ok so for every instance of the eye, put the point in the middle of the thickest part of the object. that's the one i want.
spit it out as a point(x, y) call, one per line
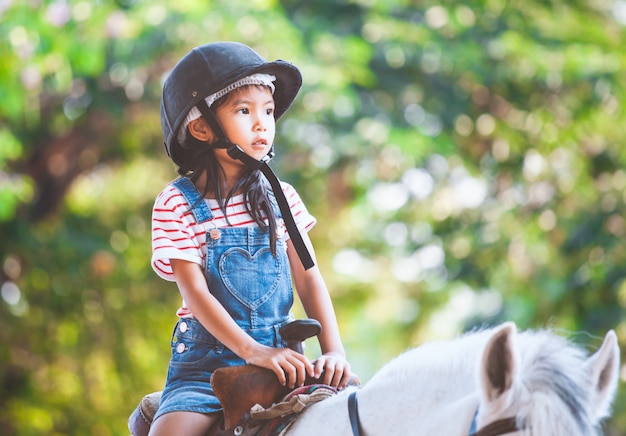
point(243, 110)
point(269, 111)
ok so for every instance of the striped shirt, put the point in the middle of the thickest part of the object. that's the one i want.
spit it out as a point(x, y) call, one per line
point(177, 235)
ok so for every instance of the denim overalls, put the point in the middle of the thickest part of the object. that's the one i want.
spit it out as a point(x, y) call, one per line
point(252, 284)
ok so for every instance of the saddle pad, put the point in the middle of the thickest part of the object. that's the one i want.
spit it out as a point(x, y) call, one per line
point(283, 414)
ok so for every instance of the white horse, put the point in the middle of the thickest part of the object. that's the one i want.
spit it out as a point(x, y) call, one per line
point(547, 385)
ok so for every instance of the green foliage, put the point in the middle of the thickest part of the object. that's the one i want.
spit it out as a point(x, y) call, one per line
point(464, 162)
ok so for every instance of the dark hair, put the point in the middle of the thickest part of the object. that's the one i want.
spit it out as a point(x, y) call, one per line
point(252, 182)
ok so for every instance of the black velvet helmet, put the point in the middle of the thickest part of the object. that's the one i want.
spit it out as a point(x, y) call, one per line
point(210, 68)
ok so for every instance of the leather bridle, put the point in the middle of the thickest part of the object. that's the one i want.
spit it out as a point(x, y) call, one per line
point(353, 413)
point(499, 427)
point(496, 428)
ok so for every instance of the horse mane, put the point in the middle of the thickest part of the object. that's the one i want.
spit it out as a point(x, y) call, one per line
point(554, 382)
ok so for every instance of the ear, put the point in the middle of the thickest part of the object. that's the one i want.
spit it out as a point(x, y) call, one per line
point(603, 367)
point(200, 130)
point(500, 363)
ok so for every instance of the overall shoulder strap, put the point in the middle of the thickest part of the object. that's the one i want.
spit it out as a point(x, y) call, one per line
point(199, 207)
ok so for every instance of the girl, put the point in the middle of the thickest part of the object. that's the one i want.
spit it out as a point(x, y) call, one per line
point(219, 232)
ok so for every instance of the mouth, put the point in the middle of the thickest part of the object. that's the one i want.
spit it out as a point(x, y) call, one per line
point(259, 143)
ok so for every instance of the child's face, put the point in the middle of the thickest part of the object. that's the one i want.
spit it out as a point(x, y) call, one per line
point(247, 117)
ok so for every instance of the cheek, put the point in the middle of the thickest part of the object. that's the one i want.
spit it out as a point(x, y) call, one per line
point(271, 125)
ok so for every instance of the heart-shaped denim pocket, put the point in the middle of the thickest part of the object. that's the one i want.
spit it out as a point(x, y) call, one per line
point(251, 279)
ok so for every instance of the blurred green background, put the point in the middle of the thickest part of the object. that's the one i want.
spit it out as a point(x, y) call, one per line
point(465, 161)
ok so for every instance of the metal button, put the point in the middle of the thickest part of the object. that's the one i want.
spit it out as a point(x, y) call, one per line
point(180, 348)
point(183, 327)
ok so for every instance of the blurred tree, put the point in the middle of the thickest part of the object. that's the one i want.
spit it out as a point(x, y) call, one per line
point(464, 162)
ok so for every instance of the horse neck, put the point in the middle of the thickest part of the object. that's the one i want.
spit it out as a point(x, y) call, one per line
point(407, 393)
point(432, 385)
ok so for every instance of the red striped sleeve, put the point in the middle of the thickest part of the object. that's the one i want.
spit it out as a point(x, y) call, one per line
point(175, 233)
point(304, 220)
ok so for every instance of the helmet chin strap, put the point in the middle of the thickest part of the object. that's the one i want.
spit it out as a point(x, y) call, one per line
point(236, 152)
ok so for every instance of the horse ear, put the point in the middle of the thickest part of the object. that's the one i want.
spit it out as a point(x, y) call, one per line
point(500, 362)
point(603, 367)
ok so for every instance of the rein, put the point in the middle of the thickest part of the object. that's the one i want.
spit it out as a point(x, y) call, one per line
point(496, 428)
point(499, 427)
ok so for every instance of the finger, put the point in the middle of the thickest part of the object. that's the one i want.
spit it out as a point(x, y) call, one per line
point(338, 377)
point(345, 378)
point(337, 374)
point(329, 373)
point(300, 371)
point(290, 372)
point(319, 368)
point(280, 374)
point(308, 366)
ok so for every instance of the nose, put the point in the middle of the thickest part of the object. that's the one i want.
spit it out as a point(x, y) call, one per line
point(260, 124)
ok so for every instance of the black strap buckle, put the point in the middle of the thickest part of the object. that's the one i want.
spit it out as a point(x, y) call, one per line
point(235, 151)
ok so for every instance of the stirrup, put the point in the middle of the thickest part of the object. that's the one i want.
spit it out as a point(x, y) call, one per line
point(140, 420)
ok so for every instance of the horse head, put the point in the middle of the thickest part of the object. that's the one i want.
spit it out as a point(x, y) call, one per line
point(549, 386)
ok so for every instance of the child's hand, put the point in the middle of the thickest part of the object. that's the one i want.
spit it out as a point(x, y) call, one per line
point(290, 367)
point(336, 370)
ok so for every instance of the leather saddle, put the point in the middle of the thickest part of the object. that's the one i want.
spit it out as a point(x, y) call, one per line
point(238, 388)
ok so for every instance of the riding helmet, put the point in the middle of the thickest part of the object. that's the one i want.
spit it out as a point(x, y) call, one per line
point(210, 68)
